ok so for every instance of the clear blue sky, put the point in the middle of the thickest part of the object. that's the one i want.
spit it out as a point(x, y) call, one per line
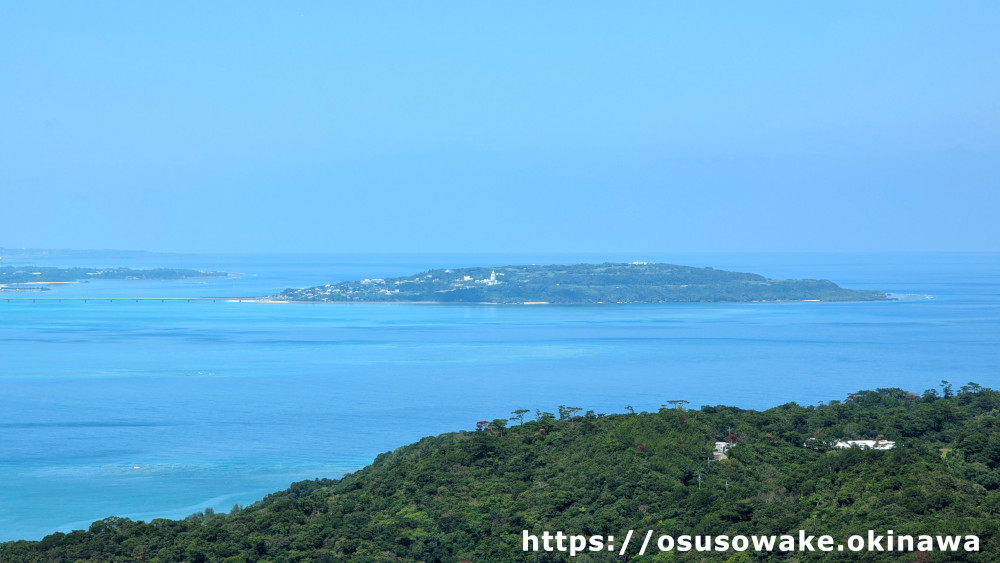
point(500, 126)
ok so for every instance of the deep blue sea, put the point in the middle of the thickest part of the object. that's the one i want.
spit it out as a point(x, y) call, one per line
point(149, 409)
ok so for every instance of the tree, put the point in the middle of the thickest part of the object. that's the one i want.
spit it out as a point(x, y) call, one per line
point(972, 387)
point(519, 415)
point(567, 412)
point(678, 403)
point(498, 425)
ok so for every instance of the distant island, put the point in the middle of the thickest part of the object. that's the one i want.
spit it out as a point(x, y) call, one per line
point(579, 284)
point(35, 278)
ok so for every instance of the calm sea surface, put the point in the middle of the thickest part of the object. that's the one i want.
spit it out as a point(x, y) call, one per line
point(149, 409)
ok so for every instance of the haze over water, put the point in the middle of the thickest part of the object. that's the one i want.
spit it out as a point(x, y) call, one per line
point(149, 409)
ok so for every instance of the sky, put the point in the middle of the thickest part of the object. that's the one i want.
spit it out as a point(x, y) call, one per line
point(500, 126)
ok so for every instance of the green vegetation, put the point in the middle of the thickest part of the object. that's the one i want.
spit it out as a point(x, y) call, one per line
point(581, 284)
point(468, 495)
point(30, 278)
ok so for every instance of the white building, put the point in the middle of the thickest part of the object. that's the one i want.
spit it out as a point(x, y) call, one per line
point(492, 280)
point(720, 450)
point(865, 444)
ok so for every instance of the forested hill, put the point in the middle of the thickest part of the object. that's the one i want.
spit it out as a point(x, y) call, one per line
point(470, 495)
point(636, 282)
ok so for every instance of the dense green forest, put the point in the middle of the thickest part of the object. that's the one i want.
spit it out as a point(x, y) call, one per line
point(637, 282)
point(469, 495)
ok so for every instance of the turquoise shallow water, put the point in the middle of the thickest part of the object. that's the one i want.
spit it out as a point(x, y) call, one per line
point(155, 409)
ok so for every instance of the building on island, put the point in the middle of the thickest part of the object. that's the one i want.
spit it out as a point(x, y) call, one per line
point(492, 280)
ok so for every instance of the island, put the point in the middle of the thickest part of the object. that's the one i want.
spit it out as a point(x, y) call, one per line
point(36, 278)
point(634, 282)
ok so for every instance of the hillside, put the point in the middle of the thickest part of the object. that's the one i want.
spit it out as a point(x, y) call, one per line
point(469, 495)
point(637, 282)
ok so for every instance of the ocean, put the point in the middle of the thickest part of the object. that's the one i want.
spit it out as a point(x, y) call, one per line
point(150, 409)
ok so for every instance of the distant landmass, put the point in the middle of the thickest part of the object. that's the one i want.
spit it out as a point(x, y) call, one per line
point(34, 278)
point(635, 282)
